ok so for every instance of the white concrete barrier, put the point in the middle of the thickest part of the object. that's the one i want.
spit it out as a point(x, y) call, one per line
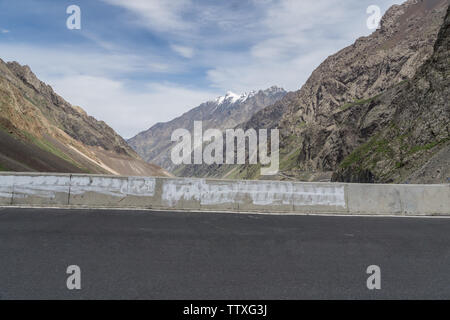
point(64, 190)
point(38, 189)
point(6, 189)
point(399, 199)
point(111, 191)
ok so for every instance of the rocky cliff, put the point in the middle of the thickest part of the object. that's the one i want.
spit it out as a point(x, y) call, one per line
point(40, 131)
point(226, 112)
point(405, 131)
point(325, 122)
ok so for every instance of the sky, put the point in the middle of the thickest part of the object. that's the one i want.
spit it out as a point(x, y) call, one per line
point(134, 63)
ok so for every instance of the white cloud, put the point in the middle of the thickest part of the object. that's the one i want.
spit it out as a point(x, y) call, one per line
point(257, 75)
point(124, 109)
point(93, 81)
point(185, 52)
point(248, 44)
point(204, 22)
point(74, 61)
point(298, 36)
point(4, 31)
point(156, 14)
point(242, 45)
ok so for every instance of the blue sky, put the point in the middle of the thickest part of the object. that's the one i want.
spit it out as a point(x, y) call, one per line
point(138, 62)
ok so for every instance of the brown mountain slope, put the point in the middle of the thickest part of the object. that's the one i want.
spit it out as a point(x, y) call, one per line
point(310, 137)
point(42, 132)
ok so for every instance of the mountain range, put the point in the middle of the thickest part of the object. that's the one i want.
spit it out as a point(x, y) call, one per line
point(376, 111)
point(155, 144)
point(40, 131)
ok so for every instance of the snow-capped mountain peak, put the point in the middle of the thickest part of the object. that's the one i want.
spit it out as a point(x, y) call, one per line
point(231, 97)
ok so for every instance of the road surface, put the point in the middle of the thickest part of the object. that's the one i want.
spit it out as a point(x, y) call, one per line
point(170, 255)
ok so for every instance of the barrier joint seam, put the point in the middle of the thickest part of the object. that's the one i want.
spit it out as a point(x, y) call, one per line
point(13, 189)
point(70, 186)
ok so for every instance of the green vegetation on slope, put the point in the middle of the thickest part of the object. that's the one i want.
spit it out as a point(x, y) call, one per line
point(47, 146)
point(428, 146)
point(43, 145)
point(374, 145)
point(357, 103)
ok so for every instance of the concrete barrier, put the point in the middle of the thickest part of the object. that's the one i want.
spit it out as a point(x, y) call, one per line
point(38, 189)
point(110, 191)
point(399, 199)
point(317, 198)
point(77, 190)
point(6, 189)
point(181, 193)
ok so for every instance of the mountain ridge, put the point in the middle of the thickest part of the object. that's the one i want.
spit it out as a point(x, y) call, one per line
point(413, 143)
point(224, 112)
point(34, 117)
point(353, 76)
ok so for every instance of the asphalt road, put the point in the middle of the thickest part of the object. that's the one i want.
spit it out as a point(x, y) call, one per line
point(167, 255)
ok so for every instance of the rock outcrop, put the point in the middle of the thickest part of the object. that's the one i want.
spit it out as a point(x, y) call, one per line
point(406, 129)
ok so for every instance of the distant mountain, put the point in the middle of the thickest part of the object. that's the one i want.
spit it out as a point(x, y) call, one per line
point(338, 121)
point(40, 131)
point(225, 112)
